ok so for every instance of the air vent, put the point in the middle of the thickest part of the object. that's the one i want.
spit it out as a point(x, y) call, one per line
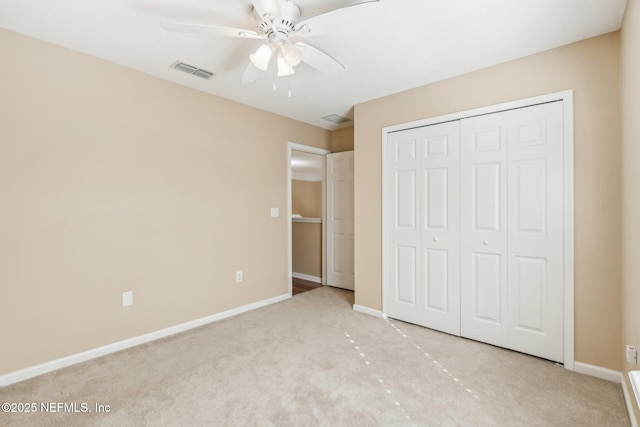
point(190, 69)
point(337, 119)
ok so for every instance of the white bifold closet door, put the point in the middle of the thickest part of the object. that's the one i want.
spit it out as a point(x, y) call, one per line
point(424, 226)
point(511, 244)
point(475, 228)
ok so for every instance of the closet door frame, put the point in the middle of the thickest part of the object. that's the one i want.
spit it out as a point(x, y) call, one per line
point(567, 98)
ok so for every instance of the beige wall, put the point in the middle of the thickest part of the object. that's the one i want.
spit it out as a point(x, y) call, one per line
point(111, 181)
point(306, 247)
point(306, 198)
point(591, 69)
point(306, 238)
point(630, 72)
point(342, 140)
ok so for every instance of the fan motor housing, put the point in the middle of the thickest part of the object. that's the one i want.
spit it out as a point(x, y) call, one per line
point(289, 17)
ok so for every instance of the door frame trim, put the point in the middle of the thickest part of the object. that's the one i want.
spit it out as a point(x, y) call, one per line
point(567, 98)
point(313, 150)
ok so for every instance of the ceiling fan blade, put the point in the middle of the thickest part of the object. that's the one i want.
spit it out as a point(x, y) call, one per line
point(251, 73)
point(329, 6)
point(319, 60)
point(267, 7)
point(211, 30)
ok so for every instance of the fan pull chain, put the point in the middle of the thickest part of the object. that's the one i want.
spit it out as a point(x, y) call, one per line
point(289, 90)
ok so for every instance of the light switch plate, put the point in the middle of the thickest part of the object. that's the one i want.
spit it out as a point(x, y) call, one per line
point(275, 212)
point(127, 298)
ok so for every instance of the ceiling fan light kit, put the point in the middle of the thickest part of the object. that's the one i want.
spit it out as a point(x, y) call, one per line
point(284, 69)
point(276, 21)
point(291, 54)
point(262, 57)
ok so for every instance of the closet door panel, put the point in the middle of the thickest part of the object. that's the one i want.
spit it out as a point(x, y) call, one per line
point(536, 231)
point(440, 227)
point(437, 192)
point(487, 196)
point(486, 288)
point(423, 166)
point(406, 274)
point(483, 229)
point(403, 222)
point(436, 280)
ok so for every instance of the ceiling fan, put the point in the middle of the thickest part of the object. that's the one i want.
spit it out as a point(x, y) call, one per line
point(277, 21)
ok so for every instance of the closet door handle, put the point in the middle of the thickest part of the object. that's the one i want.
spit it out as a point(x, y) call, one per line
point(485, 242)
point(436, 239)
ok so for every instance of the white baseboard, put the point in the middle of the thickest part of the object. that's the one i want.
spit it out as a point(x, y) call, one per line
point(307, 277)
point(367, 310)
point(629, 400)
point(598, 372)
point(33, 371)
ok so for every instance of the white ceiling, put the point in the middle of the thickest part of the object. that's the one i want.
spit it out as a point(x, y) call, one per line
point(386, 46)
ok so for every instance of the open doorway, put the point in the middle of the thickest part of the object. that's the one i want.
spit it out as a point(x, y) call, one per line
point(306, 206)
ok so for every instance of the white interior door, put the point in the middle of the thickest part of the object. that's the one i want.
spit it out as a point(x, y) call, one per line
point(340, 215)
point(423, 226)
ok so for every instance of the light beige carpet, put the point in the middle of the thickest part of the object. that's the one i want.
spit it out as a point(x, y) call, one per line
point(313, 361)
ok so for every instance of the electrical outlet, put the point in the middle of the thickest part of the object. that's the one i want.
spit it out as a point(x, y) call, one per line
point(127, 298)
point(239, 276)
point(632, 354)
